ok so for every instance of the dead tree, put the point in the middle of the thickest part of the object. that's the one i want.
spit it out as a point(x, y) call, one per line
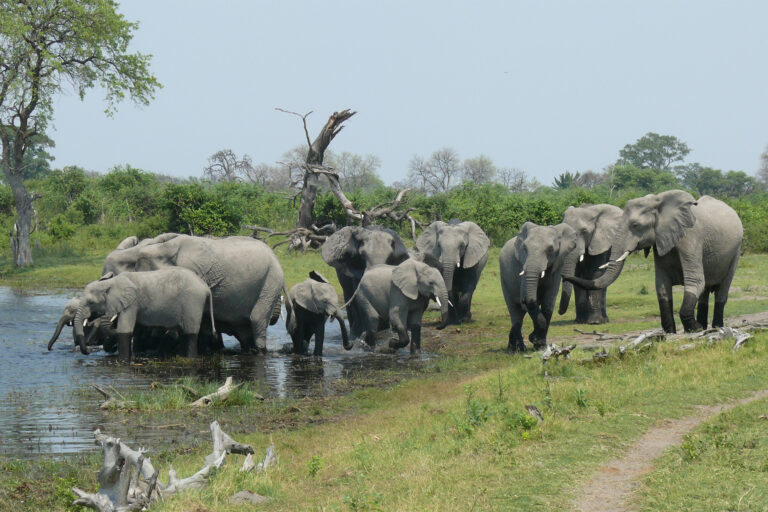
point(307, 234)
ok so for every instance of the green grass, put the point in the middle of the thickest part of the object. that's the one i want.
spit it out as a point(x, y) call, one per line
point(726, 458)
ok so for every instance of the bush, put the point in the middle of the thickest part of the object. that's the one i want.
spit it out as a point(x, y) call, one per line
point(60, 228)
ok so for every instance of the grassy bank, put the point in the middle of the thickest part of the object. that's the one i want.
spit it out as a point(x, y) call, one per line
point(456, 435)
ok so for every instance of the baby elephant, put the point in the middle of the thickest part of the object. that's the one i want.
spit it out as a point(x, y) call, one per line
point(171, 298)
point(397, 296)
point(312, 301)
point(532, 265)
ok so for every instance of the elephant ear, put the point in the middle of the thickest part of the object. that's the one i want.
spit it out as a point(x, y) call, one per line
point(337, 246)
point(317, 276)
point(306, 296)
point(675, 217)
point(108, 275)
point(477, 244)
point(406, 278)
point(427, 242)
point(128, 242)
point(524, 229)
point(120, 298)
point(606, 225)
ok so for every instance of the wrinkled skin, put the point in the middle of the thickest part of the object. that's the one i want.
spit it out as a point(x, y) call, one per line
point(596, 225)
point(460, 251)
point(553, 250)
point(397, 296)
point(98, 331)
point(695, 244)
point(172, 298)
point(314, 300)
point(243, 274)
point(353, 249)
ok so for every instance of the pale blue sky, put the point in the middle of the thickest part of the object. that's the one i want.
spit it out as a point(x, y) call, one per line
point(542, 86)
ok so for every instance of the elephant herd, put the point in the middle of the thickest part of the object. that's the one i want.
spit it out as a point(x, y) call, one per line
point(184, 291)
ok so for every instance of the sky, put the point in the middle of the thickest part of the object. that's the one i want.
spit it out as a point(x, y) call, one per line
point(542, 86)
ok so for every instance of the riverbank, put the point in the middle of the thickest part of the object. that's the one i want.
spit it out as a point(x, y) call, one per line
point(456, 434)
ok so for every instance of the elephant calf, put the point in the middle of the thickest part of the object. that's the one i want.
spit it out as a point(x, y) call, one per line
point(310, 303)
point(172, 298)
point(398, 296)
point(98, 331)
point(532, 265)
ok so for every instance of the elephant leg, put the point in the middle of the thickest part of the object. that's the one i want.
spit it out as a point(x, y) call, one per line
point(717, 315)
point(415, 339)
point(126, 323)
point(686, 312)
point(581, 298)
point(721, 294)
point(702, 310)
point(596, 305)
point(604, 305)
point(124, 346)
point(319, 336)
point(260, 316)
point(398, 321)
point(190, 341)
point(299, 345)
point(516, 343)
point(664, 295)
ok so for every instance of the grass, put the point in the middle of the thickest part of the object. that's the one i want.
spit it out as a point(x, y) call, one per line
point(456, 435)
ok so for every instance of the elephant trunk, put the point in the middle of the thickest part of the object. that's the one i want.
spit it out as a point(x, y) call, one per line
point(530, 286)
point(619, 253)
point(444, 309)
point(344, 335)
point(59, 327)
point(449, 266)
point(80, 317)
point(568, 270)
point(95, 327)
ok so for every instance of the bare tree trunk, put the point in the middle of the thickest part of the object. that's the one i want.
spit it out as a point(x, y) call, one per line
point(20, 235)
point(315, 157)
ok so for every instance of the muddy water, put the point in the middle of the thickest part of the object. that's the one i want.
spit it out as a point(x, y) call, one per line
point(43, 409)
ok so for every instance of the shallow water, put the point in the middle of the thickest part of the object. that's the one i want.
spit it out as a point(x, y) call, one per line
point(43, 412)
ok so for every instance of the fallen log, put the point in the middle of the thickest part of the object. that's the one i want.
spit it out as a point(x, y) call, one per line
point(222, 393)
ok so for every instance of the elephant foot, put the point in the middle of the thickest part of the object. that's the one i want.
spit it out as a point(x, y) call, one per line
point(396, 345)
point(691, 325)
point(124, 346)
point(717, 315)
point(539, 343)
point(515, 347)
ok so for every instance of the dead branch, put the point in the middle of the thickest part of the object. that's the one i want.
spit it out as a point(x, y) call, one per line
point(269, 459)
point(222, 445)
point(556, 352)
point(222, 393)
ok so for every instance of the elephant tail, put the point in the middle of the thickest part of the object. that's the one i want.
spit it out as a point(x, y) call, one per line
point(288, 306)
point(210, 311)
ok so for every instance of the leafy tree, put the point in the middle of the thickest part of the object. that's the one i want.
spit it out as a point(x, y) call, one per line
point(45, 45)
point(629, 177)
point(653, 151)
point(479, 170)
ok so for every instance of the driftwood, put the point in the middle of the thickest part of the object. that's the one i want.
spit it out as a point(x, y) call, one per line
point(222, 393)
point(556, 352)
point(655, 333)
point(269, 459)
point(128, 481)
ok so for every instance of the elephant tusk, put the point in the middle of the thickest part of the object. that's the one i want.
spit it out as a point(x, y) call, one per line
point(521, 272)
point(112, 319)
point(281, 312)
point(542, 273)
point(437, 299)
point(581, 258)
point(623, 256)
point(85, 322)
point(450, 303)
point(458, 264)
point(604, 265)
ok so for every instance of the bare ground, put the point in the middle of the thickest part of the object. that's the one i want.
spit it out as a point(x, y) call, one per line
point(612, 486)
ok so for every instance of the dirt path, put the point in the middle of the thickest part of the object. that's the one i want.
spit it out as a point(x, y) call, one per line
point(612, 485)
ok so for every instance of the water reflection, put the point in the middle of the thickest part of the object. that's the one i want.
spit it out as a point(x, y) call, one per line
point(43, 412)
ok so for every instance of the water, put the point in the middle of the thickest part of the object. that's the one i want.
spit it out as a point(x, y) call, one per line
point(42, 410)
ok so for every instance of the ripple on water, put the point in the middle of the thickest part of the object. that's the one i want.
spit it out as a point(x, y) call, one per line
point(42, 414)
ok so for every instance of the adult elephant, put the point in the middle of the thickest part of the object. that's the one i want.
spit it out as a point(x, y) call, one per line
point(351, 250)
point(695, 244)
point(243, 274)
point(460, 251)
point(171, 298)
point(530, 267)
point(596, 225)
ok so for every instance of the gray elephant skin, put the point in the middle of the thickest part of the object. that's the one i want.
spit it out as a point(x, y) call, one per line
point(397, 296)
point(695, 244)
point(531, 267)
point(313, 301)
point(460, 251)
point(244, 276)
point(171, 298)
point(353, 249)
point(98, 331)
point(596, 225)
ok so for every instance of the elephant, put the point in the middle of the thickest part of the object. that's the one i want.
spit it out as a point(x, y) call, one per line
point(531, 266)
point(397, 296)
point(312, 301)
point(596, 225)
point(353, 249)
point(460, 251)
point(170, 298)
point(696, 244)
point(244, 276)
point(98, 331)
